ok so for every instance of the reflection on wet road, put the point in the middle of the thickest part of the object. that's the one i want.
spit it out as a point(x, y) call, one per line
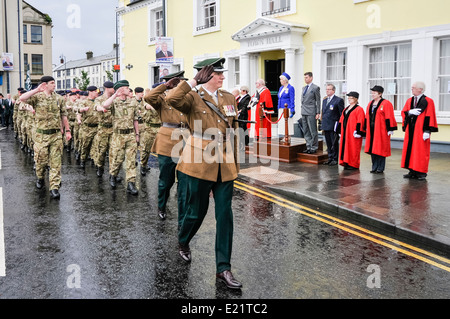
point(100, 243)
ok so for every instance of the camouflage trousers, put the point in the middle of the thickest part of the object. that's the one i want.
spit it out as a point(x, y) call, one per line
point(102, 144)
point(48, 152)
point(71, 125)
point(75, 136)
point(87, 137)
point(147, 137)
point(123, 149)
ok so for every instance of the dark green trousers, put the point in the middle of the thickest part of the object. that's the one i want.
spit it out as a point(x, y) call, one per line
point(197, 202)
point(167, 171)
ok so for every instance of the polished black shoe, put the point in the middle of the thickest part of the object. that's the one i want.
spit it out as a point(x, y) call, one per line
point(39, 183)
point(82, 164)
point(312, 152)
point(112, 181)
point(162, 213)
point(185, 253)
point(408, 176)
point(306, 151)
point(100, 171)
point(118, 179)
point(326, 163)
point(229, 280)
point(77, 156)
point(143, 171)
point(54, 193)
point(333, 163)
point(131, 188)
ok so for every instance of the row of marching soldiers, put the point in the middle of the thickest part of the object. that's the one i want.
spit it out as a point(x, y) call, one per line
point(91, 128)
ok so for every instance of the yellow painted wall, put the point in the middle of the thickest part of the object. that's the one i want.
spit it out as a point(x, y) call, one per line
point(327, 20)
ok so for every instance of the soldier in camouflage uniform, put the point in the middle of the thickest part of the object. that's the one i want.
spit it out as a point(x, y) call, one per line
point(71, 116)
point(90, 124)
point(48, 145)
point(125, 138)
point(105, 128)
point(149, 124)
point(82, 96)
point(16, 115)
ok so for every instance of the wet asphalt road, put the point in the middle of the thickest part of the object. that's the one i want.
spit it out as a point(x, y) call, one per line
point(98, 243)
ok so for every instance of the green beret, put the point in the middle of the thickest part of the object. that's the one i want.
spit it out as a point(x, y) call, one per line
point(121, 83)
point(174, 75)
point(217, 63)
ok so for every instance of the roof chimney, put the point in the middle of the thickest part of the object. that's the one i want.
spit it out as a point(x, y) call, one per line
point(89, 55)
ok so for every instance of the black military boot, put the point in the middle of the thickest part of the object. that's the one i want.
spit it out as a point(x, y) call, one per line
point(82, 164)
point(40, 183)
point(112, 181)
point(100, 171)
point(132, 188)
point(143, 171)
point(54, 193)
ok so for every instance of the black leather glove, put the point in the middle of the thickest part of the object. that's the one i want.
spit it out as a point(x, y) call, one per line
point(172, 83)
point(204, 75)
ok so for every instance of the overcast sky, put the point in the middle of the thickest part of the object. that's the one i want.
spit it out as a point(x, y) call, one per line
point(80, 26)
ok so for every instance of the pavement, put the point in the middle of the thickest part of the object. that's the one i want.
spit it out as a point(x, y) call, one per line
point(414, 211)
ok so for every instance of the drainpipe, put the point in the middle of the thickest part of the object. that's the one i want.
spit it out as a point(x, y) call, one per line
point(6, 46)
point(20, 43)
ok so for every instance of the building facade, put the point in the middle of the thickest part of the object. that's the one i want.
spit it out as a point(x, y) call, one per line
point(98, 68)
point(353, 44)
point(37, 43)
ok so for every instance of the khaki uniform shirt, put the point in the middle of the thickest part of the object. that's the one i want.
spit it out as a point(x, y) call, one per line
point(167, 137)
point(210, 146)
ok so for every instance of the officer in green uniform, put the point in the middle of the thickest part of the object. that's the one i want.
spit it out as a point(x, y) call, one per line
point(48, 145)
point(168, 144)
point(209, 160)
point(90, 124)
point(105, 128)
point(125, 138)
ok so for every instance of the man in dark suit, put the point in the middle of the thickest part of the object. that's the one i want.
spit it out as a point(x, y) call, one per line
point(164, 53)
point(310, 113)
point(2, 109)
point(332, 107)
point(243, 115)
point(9, 107)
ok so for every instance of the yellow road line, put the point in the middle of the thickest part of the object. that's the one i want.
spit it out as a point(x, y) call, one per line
point(358, 231)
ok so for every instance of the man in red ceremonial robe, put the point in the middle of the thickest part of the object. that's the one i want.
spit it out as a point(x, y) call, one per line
point(419, 120)
point(380, 124)
point(262, 98)
point(351, 130)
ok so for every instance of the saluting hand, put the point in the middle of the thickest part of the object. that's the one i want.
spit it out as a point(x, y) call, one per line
point(172, 83)
point(204, 75)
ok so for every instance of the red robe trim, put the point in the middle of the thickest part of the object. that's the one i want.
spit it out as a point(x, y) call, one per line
point(350, 146)
point(377, 124)
point(264, 98)
point(416, 151)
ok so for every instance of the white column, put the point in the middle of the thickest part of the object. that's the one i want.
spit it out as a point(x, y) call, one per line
point(245, 69)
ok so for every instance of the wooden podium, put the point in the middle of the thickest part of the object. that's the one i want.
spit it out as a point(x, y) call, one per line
point(285, 149)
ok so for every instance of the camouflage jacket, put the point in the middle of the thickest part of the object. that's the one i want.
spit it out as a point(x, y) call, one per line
point(49, 110)
point(124, 113)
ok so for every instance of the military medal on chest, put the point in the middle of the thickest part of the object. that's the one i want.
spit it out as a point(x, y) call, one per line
point(229, 110)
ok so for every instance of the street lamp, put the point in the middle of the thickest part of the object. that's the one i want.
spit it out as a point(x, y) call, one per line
point(63, 60)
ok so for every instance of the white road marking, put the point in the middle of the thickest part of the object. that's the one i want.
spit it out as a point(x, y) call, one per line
point(2, 238)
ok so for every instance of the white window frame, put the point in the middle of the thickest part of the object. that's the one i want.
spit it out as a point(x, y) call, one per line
point(341, 90)
point(152, 9)
point(199, 17)
point(439, 77)
point(400, 101)
point(261, 8)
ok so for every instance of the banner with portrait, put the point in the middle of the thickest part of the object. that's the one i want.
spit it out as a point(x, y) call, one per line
point(164, 50)
point(8, 61)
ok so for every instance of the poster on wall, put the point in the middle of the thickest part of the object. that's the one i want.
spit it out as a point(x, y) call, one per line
point(165, 69)
point(7, 61)
point(164, 50)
